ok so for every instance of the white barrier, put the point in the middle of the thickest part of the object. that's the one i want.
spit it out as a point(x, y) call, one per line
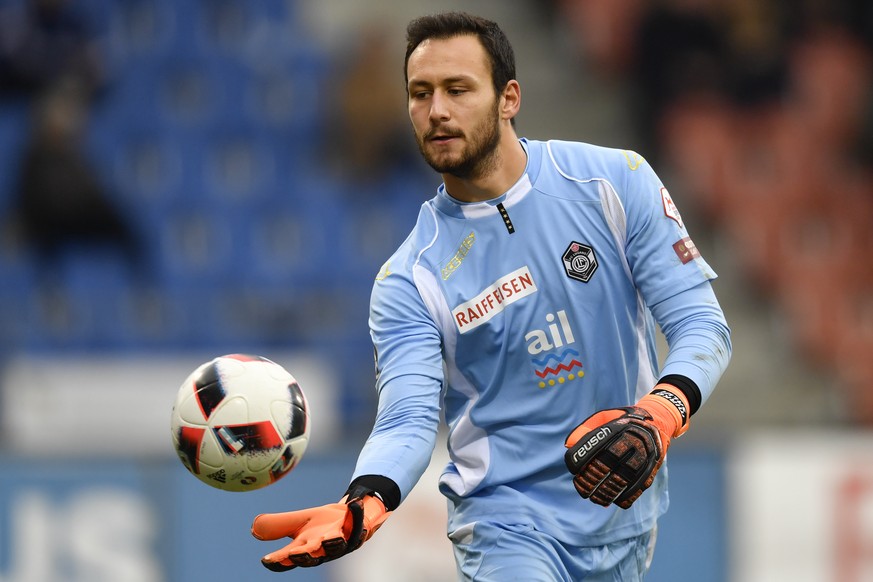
point(115, 405)
point(801, 507)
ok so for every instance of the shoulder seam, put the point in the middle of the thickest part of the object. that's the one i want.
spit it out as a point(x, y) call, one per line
point(436, 233)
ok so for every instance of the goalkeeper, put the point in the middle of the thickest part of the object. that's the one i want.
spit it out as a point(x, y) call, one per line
point(524, 306)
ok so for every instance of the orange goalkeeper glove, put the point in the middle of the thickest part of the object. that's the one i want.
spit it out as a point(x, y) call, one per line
point(615, 454)
point(321, 533)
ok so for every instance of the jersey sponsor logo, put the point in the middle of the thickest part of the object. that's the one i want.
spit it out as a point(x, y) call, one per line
point(555, 337)
point(686, 250)
point(493, 299)
point(550, 369)
point(580, 262)
point(670, 209)
point(459, 256)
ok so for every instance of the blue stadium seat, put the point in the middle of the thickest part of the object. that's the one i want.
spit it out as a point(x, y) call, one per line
point(14, 128)
point(240, 164)
point(147, 167)
point(142, 29)
point(196, 243)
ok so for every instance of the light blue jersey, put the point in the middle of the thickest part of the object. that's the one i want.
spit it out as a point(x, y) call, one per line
point(523, 315)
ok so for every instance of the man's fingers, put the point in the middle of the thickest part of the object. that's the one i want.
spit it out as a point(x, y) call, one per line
point(281, 566)
point(274, 526)
point(302, 549)
point(616, 461)
point(319, 534)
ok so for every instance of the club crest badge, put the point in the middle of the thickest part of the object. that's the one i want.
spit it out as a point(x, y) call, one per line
point(580, 261)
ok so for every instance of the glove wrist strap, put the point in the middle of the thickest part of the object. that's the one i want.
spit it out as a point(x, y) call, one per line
point(385, 489)
point(668, 407)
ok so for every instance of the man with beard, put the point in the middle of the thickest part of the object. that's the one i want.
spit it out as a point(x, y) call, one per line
point(523, 302)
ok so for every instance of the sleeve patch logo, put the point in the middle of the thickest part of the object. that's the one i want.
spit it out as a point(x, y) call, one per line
point(579, 262)
point(686, 250)
point(670, 209)
point(384, 271)
point(459, 256)
point(633, 159)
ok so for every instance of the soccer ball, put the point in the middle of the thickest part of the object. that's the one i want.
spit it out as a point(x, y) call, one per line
point(240, 422)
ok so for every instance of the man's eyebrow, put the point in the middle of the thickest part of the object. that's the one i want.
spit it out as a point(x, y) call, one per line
point(457, 79)
point(446, 81)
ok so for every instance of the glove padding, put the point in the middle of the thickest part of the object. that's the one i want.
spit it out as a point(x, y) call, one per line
point(321, 533)
point(615, 454)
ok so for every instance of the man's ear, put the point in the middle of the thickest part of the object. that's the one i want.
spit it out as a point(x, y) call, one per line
point(510, 100)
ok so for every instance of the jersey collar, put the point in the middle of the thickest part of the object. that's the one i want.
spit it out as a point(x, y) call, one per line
point(454, 207)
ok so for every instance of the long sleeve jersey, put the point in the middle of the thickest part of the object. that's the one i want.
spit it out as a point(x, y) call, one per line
point(519, 317)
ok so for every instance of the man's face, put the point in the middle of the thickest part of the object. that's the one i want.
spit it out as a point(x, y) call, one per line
point(452, 105)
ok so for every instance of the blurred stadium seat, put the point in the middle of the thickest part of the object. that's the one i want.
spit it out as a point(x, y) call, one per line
point(784, 180)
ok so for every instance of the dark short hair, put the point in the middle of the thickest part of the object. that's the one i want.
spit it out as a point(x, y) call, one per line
point(452, 24)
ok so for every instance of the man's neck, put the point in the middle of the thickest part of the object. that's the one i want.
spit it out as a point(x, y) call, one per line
point(509, 164)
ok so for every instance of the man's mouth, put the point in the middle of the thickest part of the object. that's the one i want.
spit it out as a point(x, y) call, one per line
point(442, 137)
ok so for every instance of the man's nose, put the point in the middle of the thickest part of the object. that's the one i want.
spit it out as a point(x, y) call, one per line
point(439, 109)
